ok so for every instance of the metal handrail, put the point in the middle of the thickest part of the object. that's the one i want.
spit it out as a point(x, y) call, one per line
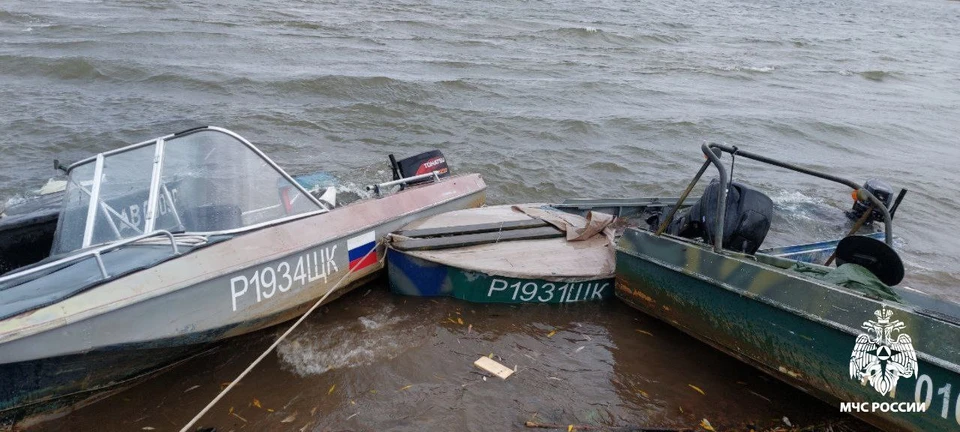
point(712, 152)
point(95, 253)
point(435, 175)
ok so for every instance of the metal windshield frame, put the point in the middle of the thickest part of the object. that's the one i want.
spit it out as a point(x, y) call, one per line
point(156, 174)
point(713, 150)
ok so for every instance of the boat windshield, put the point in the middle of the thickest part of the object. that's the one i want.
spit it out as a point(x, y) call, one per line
point(205, 180)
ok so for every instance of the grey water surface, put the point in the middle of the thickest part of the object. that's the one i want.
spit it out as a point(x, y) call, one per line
point(546, 99)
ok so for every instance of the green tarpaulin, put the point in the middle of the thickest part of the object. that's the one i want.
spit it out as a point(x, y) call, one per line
point(852, 276)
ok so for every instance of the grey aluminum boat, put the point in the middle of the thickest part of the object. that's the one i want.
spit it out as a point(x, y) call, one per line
point(167, 246)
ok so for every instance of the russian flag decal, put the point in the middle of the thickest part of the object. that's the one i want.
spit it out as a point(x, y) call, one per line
point(360, 250)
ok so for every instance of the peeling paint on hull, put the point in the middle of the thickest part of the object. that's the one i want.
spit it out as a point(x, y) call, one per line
point(108, 336)
point(796, 330)
point(413, 276)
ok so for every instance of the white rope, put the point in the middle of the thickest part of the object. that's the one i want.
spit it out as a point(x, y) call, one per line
point(275, 344)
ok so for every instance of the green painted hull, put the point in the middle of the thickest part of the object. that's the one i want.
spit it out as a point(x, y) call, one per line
point(414, 276)
point(795, 329)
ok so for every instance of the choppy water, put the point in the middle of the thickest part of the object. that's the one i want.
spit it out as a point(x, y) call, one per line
point(547, 99)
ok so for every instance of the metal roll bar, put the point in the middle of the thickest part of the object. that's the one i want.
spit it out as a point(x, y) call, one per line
point(713, 150)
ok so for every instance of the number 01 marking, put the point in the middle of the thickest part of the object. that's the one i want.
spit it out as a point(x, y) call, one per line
point(924, 384)
point(924, 391)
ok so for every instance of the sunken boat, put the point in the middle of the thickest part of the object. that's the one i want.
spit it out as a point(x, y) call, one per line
point(165, 247)
point(888, 355)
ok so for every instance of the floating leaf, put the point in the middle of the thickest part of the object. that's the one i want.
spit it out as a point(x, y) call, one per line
point(553, 332)
point(289, 419)
point(644, 394)
point(352, 402)
point(644, 332)
point(570, 428)
point(451, 320)
point(256, 403)
point(705, 424)
point(149, 428)
point(332, 388)
point(405, 387)
point(697, 389)
point(459, 321)
point(270, 410)
point(231, 410)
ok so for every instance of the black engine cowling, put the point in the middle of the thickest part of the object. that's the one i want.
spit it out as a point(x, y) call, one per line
point(879, 189)
point(423, 163)
point(746, 221)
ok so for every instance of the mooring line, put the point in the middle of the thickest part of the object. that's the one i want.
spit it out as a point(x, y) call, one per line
point(277, 342)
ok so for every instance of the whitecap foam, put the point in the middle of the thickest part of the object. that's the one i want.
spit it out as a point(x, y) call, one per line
point(369, 339)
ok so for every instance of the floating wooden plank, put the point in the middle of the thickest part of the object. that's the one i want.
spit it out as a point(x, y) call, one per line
point(474, 229)
point(476, 239)
point(490, 365)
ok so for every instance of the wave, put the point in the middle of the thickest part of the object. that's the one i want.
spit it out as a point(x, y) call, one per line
point(350, 87)
point(742, 68)
point(609, 167)
point(878, 75)
point(91, 69)
point(379, 337)
point(592, 35)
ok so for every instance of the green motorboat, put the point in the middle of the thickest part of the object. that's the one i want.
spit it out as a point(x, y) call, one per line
point(890, 356)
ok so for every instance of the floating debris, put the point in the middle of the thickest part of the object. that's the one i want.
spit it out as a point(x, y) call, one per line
point(705, 424)
point(492, 366)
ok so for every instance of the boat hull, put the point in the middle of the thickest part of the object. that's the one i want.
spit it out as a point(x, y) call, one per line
point(140, 323)
point(414, 276)
point(798, 331)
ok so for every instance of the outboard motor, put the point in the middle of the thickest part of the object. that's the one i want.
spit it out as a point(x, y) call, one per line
point(423, 163)
point(879, 189)
point(746, 221)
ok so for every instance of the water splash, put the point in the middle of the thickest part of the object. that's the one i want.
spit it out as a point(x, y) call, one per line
point(374, 338)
